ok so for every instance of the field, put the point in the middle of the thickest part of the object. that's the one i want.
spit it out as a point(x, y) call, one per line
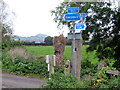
point(49, 50)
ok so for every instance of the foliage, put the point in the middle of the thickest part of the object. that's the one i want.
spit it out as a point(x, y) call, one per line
point(110, 62)
point(58, 80)
point(88, 68)
point(6, 25)
point(104, 80)
point(49, 40)
point(9, 44)
point(99, 80)
point(102, 23)
point(6, 21)
point(36, 66)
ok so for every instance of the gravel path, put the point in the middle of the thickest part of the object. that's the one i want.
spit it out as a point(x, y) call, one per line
point(13, 81)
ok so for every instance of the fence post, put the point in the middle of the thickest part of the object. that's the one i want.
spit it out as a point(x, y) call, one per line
point(50, 59)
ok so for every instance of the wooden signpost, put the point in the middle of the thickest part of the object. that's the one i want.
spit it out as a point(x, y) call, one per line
point(50, 59)
point(113, 72)
point(76, 55)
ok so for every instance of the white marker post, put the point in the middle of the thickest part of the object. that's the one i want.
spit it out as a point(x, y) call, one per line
point(47, 58)
point(48, 67)
point(54, 60)
point(50, 59)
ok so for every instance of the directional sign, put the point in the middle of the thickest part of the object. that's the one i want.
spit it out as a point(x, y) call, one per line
point(78, 36)
point(73, 10)
point(73, 17)
point(80, 26)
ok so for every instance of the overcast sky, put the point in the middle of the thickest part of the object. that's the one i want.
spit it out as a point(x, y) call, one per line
point(34, 17)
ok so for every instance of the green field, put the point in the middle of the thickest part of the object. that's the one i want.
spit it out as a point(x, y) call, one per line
point(49, 50)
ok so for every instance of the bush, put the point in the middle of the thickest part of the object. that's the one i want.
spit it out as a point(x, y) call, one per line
point(98, 80)
point(7, 45)
point(39, 66)
point(88, 68)
point(104, 80)
point(36, 66)
point(58, 80)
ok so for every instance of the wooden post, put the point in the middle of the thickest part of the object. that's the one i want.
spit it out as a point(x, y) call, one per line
point(50, 59)
point(115, 73)
point(76, 60)
point(73, 58)
point(67, 67)
point(78, 55)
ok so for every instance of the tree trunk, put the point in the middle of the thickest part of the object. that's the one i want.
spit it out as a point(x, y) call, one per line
point(59, 43)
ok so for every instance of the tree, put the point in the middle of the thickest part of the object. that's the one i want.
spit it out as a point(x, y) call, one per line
point(49, 40)
point(6, 24)
point(102, 23)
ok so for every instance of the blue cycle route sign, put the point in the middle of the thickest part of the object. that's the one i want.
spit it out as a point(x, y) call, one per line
point(73, 10)
point(74, 17)
point(80, 26)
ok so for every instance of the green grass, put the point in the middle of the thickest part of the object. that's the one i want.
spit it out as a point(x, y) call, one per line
point(41, 50)
point(49, 50)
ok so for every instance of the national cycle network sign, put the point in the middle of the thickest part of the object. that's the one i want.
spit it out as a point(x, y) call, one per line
point(74, 17)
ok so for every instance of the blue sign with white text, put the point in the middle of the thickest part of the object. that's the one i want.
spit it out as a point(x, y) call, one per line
point(73, 10)
point(80, 26)
point(73, 17)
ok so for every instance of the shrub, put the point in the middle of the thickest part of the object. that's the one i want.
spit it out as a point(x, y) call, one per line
point(58, 80)
point(8, 44)
point(88, 68)
point(36, 66)
point(104, 80)
point(39, 66)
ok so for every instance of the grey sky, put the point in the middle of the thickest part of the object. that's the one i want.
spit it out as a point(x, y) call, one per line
point(34, 17)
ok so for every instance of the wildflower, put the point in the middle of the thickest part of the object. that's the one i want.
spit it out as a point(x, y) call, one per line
point(60, 77)
point(98, 80)
point(102, 67)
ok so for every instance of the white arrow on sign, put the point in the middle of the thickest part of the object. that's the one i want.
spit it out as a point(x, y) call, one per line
point(80, 26)
point(63, 17)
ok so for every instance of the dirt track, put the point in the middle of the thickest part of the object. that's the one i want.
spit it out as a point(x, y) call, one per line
point(13, 81)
